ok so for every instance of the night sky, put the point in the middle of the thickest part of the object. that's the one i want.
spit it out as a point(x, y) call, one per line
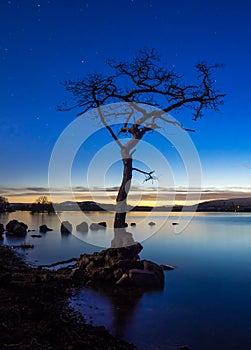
point(44, 43)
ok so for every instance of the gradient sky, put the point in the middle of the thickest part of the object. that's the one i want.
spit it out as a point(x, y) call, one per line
point(44, 43)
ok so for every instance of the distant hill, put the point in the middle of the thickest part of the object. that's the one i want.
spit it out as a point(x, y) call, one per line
point(233, 204)
point(228, 205)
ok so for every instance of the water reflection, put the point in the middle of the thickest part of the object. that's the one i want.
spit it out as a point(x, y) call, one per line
point(12, 240)
point(122, 238)
point(110, 308)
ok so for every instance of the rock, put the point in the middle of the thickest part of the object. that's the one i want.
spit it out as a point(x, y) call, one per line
point(102, 224)
point(118, 274)
point(120, 267)
point(133, 223)
point(16, 228)
point(151, 223)
point(175, 223)
point(84, 259)
point(83, 227)
point(97, 226)
point(144, 278)
point(36, 236)
point(123, 281)
point(156, 269)
point(24, 226)
point(11, 224)
point(128, 264)
point(44, 228)
point(167, 267)
point(104, 275)
point(130, 252)
point(1, 229)
point(5, 278)
point(66, 227)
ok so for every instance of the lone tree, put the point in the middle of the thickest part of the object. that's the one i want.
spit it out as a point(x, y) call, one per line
point(143, 80)
point(42, 204)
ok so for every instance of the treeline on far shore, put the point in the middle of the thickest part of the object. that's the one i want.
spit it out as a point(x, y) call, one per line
point(230, 205)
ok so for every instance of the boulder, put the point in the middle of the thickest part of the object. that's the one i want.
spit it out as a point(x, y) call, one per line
point(83, 227)
point(156, 269)
point(1, 229)
point(66, 227)
point(16, 228)
point(98, 226)
point(119, 267)
point(94, 226)
point(102, 224)
point(144, 279)
point(11, 224)
point(123, 281)
point(151, 223)
point(133, 224)
point(44, 228)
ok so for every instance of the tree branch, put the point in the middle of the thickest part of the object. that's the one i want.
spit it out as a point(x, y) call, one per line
point(149, 174)
point(109, 128)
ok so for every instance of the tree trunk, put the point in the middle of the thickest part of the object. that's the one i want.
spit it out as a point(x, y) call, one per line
point(121, 200)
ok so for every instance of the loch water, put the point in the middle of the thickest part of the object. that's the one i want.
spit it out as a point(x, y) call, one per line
point(206, 301)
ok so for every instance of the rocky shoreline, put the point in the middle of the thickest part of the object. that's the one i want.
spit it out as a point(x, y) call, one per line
point(35, 314)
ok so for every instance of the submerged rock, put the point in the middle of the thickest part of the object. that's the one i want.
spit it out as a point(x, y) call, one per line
point(83, 227)
point(16, 228)
point(66, 227)
point(102, 224)
point(98, 226)
point(151, 223)
point(44, 228)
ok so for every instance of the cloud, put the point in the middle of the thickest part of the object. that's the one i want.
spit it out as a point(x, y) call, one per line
point(163, 195)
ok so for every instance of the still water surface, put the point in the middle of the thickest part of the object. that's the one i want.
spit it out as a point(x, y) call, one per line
point(206, 302)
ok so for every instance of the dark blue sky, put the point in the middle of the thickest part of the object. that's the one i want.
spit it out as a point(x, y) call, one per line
point(43, 43)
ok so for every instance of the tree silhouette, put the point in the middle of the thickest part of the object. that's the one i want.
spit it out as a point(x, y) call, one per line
point(3, 204)
point(42, 204)
point(143, 80)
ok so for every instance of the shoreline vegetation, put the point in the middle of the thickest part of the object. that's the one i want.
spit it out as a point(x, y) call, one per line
point(35, 313)
point(221, 205)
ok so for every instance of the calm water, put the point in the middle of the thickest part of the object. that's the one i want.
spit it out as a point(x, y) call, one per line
point(206, 302)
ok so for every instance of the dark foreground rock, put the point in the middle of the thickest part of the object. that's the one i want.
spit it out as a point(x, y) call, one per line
point(120, 267)
point(1, 229)
point(34, 311)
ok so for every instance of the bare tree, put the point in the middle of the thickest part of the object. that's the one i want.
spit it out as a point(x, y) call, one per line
point(143, 80)
point(42, 204)
point(42, 200)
